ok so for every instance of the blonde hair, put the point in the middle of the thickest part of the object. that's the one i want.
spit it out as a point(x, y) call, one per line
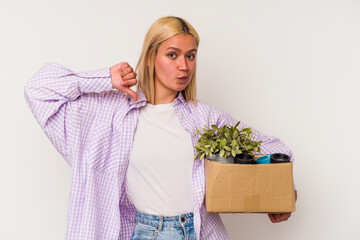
point(161, 30)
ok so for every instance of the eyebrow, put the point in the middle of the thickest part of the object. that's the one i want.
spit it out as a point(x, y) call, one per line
point(192, 50)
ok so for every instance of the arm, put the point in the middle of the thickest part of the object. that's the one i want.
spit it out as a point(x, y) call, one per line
point(55, 97)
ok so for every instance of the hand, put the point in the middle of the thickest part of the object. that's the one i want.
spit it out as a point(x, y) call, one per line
point(123, 77)
point(280, 217)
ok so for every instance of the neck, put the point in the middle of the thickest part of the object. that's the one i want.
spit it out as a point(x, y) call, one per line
point(163, 96)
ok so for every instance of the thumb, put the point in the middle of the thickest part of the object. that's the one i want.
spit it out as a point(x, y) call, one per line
point(131, 93)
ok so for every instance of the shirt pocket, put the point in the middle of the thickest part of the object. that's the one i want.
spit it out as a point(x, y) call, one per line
point(103, 150)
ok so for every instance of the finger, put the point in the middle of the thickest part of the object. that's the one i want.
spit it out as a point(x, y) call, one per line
point(285, 216)
point(282, 217)
point(129, 76)
point(130, 82)
point(124, 65)
point(272, 218)
point(127, 71)
point(277, 216)
point(131, 93)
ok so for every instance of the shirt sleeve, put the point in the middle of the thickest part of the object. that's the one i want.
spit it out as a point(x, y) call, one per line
point(55, 97)
point(269, 144)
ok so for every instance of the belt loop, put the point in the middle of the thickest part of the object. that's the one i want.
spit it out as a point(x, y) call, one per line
point(160, 223)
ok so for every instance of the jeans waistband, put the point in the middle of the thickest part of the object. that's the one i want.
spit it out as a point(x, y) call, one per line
point(164, 221)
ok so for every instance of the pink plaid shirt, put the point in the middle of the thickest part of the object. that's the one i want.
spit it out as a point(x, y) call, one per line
point(92, 126)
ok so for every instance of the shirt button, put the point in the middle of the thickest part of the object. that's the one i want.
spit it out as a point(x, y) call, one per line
point(199, 190)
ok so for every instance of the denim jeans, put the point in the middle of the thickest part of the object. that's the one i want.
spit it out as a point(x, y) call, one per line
point(164, 228)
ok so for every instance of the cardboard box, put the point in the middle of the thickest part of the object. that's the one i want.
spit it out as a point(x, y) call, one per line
point(247, 188)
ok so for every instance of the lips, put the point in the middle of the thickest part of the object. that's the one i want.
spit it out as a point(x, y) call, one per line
point(182, 78)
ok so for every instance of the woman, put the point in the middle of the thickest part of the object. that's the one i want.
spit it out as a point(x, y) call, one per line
point(131, 154)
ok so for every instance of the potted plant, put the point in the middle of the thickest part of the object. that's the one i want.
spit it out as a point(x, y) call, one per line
point(226, 143)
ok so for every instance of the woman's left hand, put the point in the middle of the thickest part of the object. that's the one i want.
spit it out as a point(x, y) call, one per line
point(280, 217)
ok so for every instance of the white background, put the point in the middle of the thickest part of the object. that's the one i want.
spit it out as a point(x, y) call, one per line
point(287, 68)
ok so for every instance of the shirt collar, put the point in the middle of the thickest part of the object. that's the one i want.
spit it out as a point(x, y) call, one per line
point(181, 100)
point(142, 98)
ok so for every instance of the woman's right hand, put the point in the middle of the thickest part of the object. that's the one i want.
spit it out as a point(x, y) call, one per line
point(123, 77)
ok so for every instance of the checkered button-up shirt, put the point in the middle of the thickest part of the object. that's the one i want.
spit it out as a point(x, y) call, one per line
point(92, 126)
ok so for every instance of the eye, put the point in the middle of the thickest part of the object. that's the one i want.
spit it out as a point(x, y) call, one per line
point(191, 56)
point(171, 55)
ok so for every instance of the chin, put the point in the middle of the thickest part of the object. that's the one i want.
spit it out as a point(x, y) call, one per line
point(180, 87)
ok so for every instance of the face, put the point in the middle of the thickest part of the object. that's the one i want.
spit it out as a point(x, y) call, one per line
point(175, 64)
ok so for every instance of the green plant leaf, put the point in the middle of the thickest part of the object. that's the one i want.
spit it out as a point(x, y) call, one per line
point(222, 152)
point(247, 130)
point(222, 143)
point(238, 152)
point(227, 135)
point(236, 134)
point(227, 148)
point(214, 127)
point(234, 143)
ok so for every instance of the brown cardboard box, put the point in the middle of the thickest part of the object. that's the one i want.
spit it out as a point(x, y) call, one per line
point(245, 188)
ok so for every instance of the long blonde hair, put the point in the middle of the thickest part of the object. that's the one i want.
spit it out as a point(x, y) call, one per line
point(161, 30)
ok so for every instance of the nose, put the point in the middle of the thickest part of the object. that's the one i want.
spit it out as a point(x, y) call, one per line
point(182, 64)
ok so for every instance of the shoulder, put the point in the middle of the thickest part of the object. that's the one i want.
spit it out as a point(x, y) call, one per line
point(209, 113)
point(202, 107)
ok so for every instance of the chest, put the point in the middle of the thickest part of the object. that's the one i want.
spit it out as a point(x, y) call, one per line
point(111, 139)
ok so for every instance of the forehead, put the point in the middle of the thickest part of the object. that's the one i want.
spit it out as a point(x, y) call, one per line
point(180, 41)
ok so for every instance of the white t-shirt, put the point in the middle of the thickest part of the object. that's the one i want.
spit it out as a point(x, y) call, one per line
point(159, 175)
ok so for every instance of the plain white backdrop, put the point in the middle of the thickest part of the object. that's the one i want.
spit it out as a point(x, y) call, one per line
point(288, 68)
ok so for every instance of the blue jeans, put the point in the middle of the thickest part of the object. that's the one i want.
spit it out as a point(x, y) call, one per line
point(164, 228)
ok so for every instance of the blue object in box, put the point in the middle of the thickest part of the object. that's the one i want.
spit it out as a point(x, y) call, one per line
point(264, 159)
